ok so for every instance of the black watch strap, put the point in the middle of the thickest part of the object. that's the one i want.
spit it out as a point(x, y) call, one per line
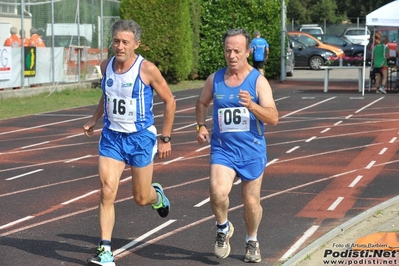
point(165, 139)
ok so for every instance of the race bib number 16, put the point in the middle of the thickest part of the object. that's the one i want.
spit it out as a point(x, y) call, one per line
point(122, 109)
point(235, 119)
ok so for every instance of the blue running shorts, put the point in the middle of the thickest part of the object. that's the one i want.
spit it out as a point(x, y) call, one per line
point(247, 170)
point(136, 149)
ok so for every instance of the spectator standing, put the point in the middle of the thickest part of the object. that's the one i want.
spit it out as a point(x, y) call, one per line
point(260, 52)
point(242, 103)
point(13, 40)
point(129, 136)
point(380, 58)
point(24, 39)
point(35, 40)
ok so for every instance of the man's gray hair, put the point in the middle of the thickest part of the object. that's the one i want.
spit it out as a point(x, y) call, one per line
point(235, 32)
point(13, 30)
point(127, 25)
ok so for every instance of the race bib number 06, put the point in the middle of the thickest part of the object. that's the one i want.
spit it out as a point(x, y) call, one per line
point(235, 119)
point(122, 109)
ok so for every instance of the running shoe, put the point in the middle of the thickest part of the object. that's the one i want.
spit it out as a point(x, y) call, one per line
point(164, 206)
point(222, 245)
point(382, 89)
point(102, 257)
point(252, 252)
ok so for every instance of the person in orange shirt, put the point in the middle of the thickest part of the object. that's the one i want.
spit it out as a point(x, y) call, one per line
point(35, 39)
point(24, 39)
point(13, 40)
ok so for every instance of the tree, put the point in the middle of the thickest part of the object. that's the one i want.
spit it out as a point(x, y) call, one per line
point(166, 34)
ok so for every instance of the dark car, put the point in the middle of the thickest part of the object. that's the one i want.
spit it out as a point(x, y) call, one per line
point(66, 41)
point(349, 48)
point(307, 56)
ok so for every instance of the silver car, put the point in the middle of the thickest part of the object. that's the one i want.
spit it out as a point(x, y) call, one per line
point(357, 35)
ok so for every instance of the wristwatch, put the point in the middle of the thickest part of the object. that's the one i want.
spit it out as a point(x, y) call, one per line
point(165, 139)
point(199, 126)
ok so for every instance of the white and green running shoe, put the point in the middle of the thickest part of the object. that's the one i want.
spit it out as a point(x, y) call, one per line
point(102, 257)
point(163, 207)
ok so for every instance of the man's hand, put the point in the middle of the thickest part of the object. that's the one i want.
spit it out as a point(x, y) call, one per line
point(245, 98)
point(203, 135)
point(88, 128)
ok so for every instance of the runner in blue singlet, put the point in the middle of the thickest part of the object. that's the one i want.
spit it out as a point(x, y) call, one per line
point(129, 136)
point(242, 103)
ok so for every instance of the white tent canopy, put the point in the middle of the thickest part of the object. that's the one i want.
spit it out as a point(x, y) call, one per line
point(387, 15)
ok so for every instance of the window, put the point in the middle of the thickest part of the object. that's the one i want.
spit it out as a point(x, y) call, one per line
point(8, 7)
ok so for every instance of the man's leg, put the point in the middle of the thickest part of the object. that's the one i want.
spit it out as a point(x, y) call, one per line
point(377, 81)
point(253, 216)
point(252, 208)
point(221, 182)
point(384, 76)
point(110, 171)
point(143, 192)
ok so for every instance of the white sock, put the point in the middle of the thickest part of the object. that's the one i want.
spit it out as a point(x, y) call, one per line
point(254, 238)
point(107, 247)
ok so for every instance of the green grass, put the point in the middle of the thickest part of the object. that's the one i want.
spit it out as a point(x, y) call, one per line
point(69, 98)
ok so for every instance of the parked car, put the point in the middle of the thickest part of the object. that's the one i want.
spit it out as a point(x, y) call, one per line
point(66, 41)
point(311, 29)
point(310, 56)
point(312, 41)
point(357, 35)
point(349, 48)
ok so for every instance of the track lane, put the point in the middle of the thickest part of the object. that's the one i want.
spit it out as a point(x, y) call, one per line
point(184, 176)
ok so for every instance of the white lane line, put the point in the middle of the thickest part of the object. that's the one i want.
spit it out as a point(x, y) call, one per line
point(172, 161)
point(16, 222)
point(382, 151)
point(142, 237)
point(282, 98)
point(335, 204)
point(79, 158)
point(354, 182)
point(299, 243)
point(310, 139)
point(202, 203)
point(82, 134)
point(293, 149)
point(325, 130)
point(29, 173)
point(36, 144)
point(203, 148)
point(339, 122)
point(349, 116)
point(307, 98)
point(192, 125)
point(80, 197)
point(271, 162)
point(393, 140)
point(44, 125)
point(237, 182)
point(370, 165)
point(310, 106)
point(361, 109)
